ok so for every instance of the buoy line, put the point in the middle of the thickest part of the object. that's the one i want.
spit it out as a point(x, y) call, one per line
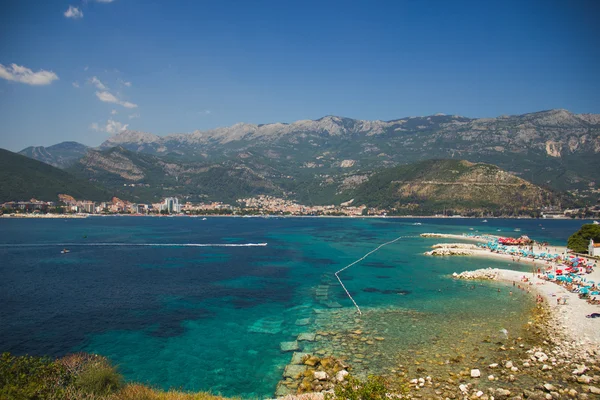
point(359, 260)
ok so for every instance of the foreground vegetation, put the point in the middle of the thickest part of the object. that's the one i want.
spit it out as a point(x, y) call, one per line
point(74, 377)
point(579, 241)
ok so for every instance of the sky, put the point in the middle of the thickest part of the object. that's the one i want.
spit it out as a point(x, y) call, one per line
point(84, 70)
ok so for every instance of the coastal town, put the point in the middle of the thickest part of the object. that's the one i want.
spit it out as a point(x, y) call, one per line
point(259, 205)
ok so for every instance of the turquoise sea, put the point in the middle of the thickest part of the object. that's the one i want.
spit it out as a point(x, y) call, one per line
point(213, 318)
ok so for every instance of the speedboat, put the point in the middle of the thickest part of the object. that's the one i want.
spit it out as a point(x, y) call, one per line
point(596, 223)
point(485, 220)
point(65, 251)
point(417, 223)
point(517, 229)
point(204, 219)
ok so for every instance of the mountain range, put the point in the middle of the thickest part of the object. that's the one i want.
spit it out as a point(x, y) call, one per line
point(316, 162)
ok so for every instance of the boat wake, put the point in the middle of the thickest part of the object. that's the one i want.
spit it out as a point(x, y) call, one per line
point(135, 244)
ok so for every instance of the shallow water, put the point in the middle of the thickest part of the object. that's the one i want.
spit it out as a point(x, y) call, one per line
point(213, 318)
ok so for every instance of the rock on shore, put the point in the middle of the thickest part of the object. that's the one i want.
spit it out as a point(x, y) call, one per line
point(482, 274)
point(452, 249)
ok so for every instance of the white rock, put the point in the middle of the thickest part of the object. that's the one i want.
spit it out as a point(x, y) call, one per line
point(490, 377)
point(463, 388)
point(494, 365)
point(508, 364)
point(341, 375)
point(514, 369)
point(549, 387)
point(421, 380)
point(580, 370)
point(479, 394)
point(321, 375)
point(584, 379)
point(475, 373)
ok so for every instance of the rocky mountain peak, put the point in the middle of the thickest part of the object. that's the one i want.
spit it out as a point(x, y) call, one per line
point(130, 137)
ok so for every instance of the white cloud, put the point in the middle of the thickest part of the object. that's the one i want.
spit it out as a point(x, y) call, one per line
point(136, 115)
point(113, 112)
point(18, 73)
point(104, 1)
point(75, 84)
point(111, 127)
point(108, 97)
point(96, 82)
point(86, 68)
point(128, 84)
point(73, 12)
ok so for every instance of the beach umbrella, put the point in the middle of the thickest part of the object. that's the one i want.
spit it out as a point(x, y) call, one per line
point(584, 290)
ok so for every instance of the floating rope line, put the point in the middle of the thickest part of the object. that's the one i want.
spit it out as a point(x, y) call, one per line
point(359, 260)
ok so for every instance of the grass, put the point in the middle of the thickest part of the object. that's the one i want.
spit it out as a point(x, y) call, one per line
point(78, 376)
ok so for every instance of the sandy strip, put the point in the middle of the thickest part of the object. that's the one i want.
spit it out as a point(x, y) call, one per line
point(571, 316)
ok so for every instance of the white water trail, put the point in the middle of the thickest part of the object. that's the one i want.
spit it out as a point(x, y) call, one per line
point(135, 244)
point(359, 260)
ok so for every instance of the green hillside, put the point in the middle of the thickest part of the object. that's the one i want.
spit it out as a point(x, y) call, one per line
point(22, 178)
point(433, 186)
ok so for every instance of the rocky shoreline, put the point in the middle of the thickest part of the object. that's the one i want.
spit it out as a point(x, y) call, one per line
point(552, 356)
point(543, 363)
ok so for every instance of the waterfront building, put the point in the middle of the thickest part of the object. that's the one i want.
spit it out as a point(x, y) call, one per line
point(171, 205)
point(594, 249)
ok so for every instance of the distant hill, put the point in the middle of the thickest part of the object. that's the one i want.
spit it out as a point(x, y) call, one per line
point(555, 148)
point(426, 187)
point(147, 178)
point(316, 161)
point(436, 185)
point(61, 155)
point(22, 178)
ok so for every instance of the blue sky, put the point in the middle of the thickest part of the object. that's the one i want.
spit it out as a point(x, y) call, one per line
point(86, 69)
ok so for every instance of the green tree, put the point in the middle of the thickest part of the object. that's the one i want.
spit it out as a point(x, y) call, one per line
point(580, 240)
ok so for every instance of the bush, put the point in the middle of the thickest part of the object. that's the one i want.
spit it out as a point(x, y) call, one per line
point(31, 378)
point(374, 388)
point(99, 378)
point(579, 241)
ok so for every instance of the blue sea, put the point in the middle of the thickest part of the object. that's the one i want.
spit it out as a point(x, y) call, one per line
point(213, 318)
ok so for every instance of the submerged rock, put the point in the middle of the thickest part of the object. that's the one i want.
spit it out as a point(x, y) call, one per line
point(289, 346)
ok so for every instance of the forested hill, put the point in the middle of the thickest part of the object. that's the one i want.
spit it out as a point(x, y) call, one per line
point(461, 186)
point(22, 178)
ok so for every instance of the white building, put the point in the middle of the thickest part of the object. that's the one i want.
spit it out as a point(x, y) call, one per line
point(594, 249)
point(171, 204)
